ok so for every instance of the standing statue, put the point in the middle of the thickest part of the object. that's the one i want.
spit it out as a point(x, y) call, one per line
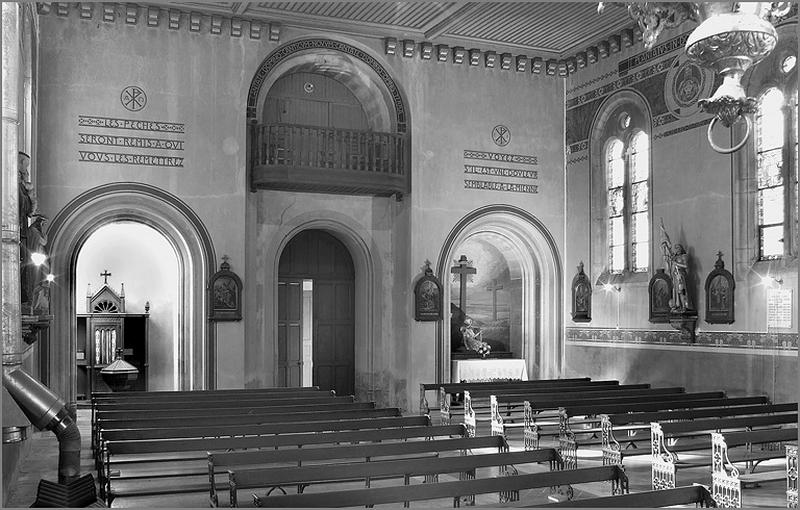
point(677, 261)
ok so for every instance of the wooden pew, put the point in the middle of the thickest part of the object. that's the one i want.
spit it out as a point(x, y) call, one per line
point(634, 422)
point(508, 488)
point(697, 495)
point(150, 395)
point(447, 390)
point(199, 399)
point(269, 479)
point(185, 465)
point(105, 419)
point(791, 476)
point(664, 449)
point(484, 390)
point(556, 396)
point(726, 479)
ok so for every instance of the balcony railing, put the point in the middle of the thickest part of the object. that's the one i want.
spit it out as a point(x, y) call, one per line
point(313, 158)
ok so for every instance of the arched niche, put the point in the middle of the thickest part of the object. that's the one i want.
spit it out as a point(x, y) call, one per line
point(532, 249)
point(172, 218)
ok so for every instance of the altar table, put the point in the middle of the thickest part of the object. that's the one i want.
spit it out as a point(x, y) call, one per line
point(468, 370)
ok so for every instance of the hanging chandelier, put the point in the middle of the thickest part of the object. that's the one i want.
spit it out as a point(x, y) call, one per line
point(730, 38)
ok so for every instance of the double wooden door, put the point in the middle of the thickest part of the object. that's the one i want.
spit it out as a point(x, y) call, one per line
point(319, 257)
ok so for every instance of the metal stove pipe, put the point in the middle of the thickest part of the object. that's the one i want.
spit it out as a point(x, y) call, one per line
point(46, 410)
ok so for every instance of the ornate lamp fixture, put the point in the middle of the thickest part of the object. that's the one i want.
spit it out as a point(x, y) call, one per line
point(730, 38)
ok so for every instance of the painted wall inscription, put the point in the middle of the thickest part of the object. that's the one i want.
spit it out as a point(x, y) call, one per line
point(110, 139)
point(501, 172)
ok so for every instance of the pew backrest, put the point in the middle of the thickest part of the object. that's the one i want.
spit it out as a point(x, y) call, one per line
point(508, 488)
point(698, 495)
point(250, 478)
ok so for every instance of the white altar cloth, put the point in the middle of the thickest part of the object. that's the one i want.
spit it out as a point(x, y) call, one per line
point(467, 370)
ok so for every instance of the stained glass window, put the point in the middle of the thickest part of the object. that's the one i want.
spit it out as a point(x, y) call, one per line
point(639, 163)
point(628, 191)
point(615, 171)
point(770, 136)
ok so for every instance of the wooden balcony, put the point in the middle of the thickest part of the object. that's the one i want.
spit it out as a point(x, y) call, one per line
point(326, 160)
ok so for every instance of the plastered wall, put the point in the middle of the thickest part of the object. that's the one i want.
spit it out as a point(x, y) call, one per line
point(699, 195)
point(200, 80)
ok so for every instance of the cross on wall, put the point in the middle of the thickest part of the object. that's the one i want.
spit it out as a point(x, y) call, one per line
point(493, 288)
point(463, 270)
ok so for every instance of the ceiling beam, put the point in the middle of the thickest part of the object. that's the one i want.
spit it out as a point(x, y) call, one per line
point(453, 15)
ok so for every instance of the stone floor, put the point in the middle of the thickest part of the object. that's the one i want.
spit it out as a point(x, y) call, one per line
point(42, 462)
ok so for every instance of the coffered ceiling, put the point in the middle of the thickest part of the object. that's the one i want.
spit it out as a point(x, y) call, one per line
point(544, 27)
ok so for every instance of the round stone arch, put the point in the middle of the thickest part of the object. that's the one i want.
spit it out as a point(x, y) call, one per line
point(536, 252)
point(368, 289)
point(353, 66)
point(183, 229)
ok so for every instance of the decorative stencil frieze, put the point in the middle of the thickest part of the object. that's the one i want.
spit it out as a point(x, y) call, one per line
point(602, 77)
point(583, 145)
point(625, 81)
point(288, 50)
point(577, 160)
point(735, 340)
point(681, 129)
point(674, 44)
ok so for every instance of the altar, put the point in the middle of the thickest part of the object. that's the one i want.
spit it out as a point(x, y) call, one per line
point(470, 370)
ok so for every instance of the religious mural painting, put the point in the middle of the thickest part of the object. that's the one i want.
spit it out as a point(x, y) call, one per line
point(486, 298)
point(225, 294)
point(428, 296)
point(719, 294)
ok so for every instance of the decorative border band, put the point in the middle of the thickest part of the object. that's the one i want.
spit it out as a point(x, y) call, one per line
point(721, 339)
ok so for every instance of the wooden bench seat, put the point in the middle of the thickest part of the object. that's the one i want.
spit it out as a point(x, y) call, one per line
point(636, 425)
point(727, 480)
point(664, 456)
point(697, 495)
point(508, 488)
point(146, 469)
point(269, 479)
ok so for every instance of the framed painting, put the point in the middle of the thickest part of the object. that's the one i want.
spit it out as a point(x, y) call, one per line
point(225, 294)
point(581, 296)
point(660, 293)
point(719, 294)
point(428, 297)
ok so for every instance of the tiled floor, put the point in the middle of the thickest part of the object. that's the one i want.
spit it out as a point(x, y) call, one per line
point(43, 459)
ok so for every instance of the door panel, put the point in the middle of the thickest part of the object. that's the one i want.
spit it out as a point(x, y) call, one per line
point(290, 332)
point(334, 353)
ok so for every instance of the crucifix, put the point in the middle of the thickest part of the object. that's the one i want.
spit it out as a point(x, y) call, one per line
point(105, 274)
point(463, 270)
point(494, 287)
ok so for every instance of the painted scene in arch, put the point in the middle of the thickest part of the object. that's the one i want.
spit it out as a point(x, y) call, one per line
point(493, 294)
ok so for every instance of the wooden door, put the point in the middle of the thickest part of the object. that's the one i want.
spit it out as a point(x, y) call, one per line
point(290, 332)
point(318, 256)
point(334, 329)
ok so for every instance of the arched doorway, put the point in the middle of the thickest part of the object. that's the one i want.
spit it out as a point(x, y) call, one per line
point(176, 222)
point(316, 313)
point(139, 262)
point(519, 248)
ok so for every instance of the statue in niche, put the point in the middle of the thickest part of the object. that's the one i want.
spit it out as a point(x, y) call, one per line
point(677, 261)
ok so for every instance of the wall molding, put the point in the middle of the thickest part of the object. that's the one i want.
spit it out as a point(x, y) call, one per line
point(715, 341)
point(169, 18)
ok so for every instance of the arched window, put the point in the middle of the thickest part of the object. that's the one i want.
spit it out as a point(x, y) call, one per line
point(620, 188)
point(776, 166)
point(628, 189)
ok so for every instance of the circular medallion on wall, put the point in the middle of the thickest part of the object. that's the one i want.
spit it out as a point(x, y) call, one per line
point(501, 135)
point(308, 87)
point(685, 84)
point(133, 98)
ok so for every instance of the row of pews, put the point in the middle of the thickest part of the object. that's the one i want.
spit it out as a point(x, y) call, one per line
point(303, 447)
point(678, 426)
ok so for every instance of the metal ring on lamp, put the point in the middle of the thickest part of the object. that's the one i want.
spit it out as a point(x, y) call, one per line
point(736, 147)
